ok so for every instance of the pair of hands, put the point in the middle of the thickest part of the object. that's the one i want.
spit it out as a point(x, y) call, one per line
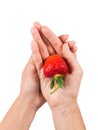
point(35, 87)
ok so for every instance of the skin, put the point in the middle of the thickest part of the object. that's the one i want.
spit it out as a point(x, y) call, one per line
point(35, 86)
point(23, 110)
point(38, 45)
point(46, 43)
point(30, 98)
point(63, 103)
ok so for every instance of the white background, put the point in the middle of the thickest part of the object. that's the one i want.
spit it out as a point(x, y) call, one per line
point(78, 18)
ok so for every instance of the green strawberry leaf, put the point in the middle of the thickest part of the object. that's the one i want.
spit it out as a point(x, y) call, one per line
point(59, 81)
point(52, 84)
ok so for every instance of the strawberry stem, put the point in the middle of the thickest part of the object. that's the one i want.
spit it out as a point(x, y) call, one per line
point(54, 90)
point(57, 80)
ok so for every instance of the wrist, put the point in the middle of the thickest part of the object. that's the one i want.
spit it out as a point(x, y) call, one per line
point(69, 118)
point(27, 110)
point(27, 103)
point(67, 109)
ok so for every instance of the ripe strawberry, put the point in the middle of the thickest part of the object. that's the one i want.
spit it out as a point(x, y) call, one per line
point(56, 67)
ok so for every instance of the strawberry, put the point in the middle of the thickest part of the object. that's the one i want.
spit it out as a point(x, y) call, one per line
point(56, 67)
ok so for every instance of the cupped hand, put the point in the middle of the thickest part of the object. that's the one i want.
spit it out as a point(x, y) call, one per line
point(68, 95)
point(30, 85)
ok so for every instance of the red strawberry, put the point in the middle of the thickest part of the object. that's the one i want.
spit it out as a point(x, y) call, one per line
point(55, 66)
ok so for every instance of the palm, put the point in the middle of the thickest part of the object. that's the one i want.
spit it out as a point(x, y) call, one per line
point(61, 96)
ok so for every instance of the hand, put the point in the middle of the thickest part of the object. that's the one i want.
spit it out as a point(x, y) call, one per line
point(30, 87)
point(22, 112)
point(48, 42)
point(68, 95)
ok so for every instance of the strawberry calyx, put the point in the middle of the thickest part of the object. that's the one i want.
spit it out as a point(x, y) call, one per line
point(57, 82)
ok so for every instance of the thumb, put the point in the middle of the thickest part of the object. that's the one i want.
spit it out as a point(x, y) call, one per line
point(71, 60)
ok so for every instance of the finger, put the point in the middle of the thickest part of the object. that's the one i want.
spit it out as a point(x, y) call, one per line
point(71, 43)
point(37, 59)
point(53, 39)
point(45, 40)
point(41, 44)
point(50, 49)
point(69, 57)
point(74, 49)
point(64, 37)
point(72, 46)
point(37, 25)
point(48, 45)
